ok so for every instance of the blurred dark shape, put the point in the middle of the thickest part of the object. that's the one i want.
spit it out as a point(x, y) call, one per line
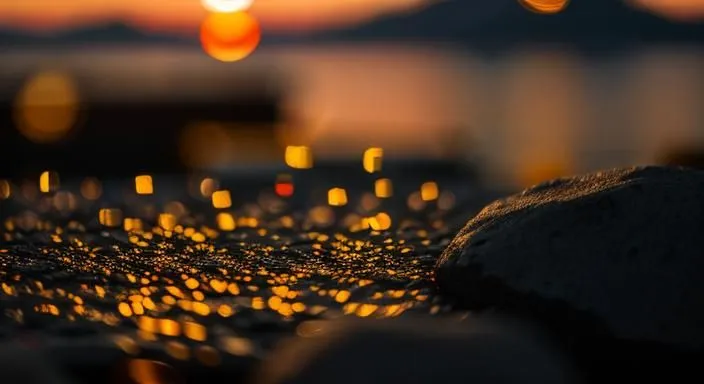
point(417, 350)
point(126, 134)
point(691, 157)
point(102, 34)
point(22, 365)
point(144, 371)
point(498, 24)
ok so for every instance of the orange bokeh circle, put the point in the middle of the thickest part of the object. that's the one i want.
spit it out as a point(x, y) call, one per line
point(545, 6)
point(230, 36)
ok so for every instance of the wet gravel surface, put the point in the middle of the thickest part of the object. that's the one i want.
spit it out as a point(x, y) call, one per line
point(210, 291)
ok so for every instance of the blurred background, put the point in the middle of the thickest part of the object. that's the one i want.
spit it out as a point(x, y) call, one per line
point(522, 89)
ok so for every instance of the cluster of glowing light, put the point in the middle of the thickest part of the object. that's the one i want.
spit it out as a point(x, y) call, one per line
point(132, 224)
point(143, 185)
point(221, 199)
point(167, 221)
point(110, 217)
point(230, 37)
point(5, 189)
point(383, 188)
point(372, 159)
point(337, 197)
point(299, 157)
point(48, 181)
point(284, 186)
point(547, 7)
point(380, 222)
point(429, 191)
point(46, 108)
point(227, 6)
point(91, 189)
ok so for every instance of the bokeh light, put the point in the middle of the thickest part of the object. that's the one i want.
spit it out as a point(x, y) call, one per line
point(91, 189)
point(143, 185)
point(337, 197)
point(46, 109)
point(284, 186)
point(5, 189)
point(372, 159)
point(230, 37)
point(299, 157)
point(429, 191)
point(110, 217)
point(545, 6)
point(383, 188)
point(222, 199)
point(226, 6)
point(48, 181)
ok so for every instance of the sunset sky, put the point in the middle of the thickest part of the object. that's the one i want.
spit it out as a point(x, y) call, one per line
point(186, 15)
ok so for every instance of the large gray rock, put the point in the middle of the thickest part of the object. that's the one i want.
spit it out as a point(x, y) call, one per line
point(620, 250)
point(403, 350)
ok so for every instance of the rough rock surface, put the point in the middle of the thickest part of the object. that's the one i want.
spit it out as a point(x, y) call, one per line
point(414, 350)
point(623, 249)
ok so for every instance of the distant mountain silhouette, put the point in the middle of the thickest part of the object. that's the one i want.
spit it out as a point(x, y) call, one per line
point(494, 24)
point(115, 32)
point(501, 23)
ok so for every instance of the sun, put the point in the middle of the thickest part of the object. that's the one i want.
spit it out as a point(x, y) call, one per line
point(545, 6)
point(230, 37)
point(227, 6)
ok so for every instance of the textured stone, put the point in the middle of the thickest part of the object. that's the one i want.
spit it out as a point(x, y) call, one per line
point(621, 251)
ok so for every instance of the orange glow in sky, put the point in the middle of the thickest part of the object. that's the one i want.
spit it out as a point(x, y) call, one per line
point(187, 15)
point(676, 9)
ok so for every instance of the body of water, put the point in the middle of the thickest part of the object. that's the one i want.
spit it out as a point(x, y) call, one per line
point(523, 116)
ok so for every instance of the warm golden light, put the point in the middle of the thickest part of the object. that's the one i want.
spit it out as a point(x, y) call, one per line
point(299, 157)
point(143, 185)
point(372, 159)
point(221, 199)
point(226, 222)
point(383, 188)
point(284, 186)
point(227, 6)
point(194, 331)
point(380, 222)
point(48, 181)
point(110, 217)
point(230, 37)
point(132, 224)
point(429, 191)
point(337, 197)
point(46, 108)
point(167, 221)
point(91, 189)
point(5, 189)
point(545, 6)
